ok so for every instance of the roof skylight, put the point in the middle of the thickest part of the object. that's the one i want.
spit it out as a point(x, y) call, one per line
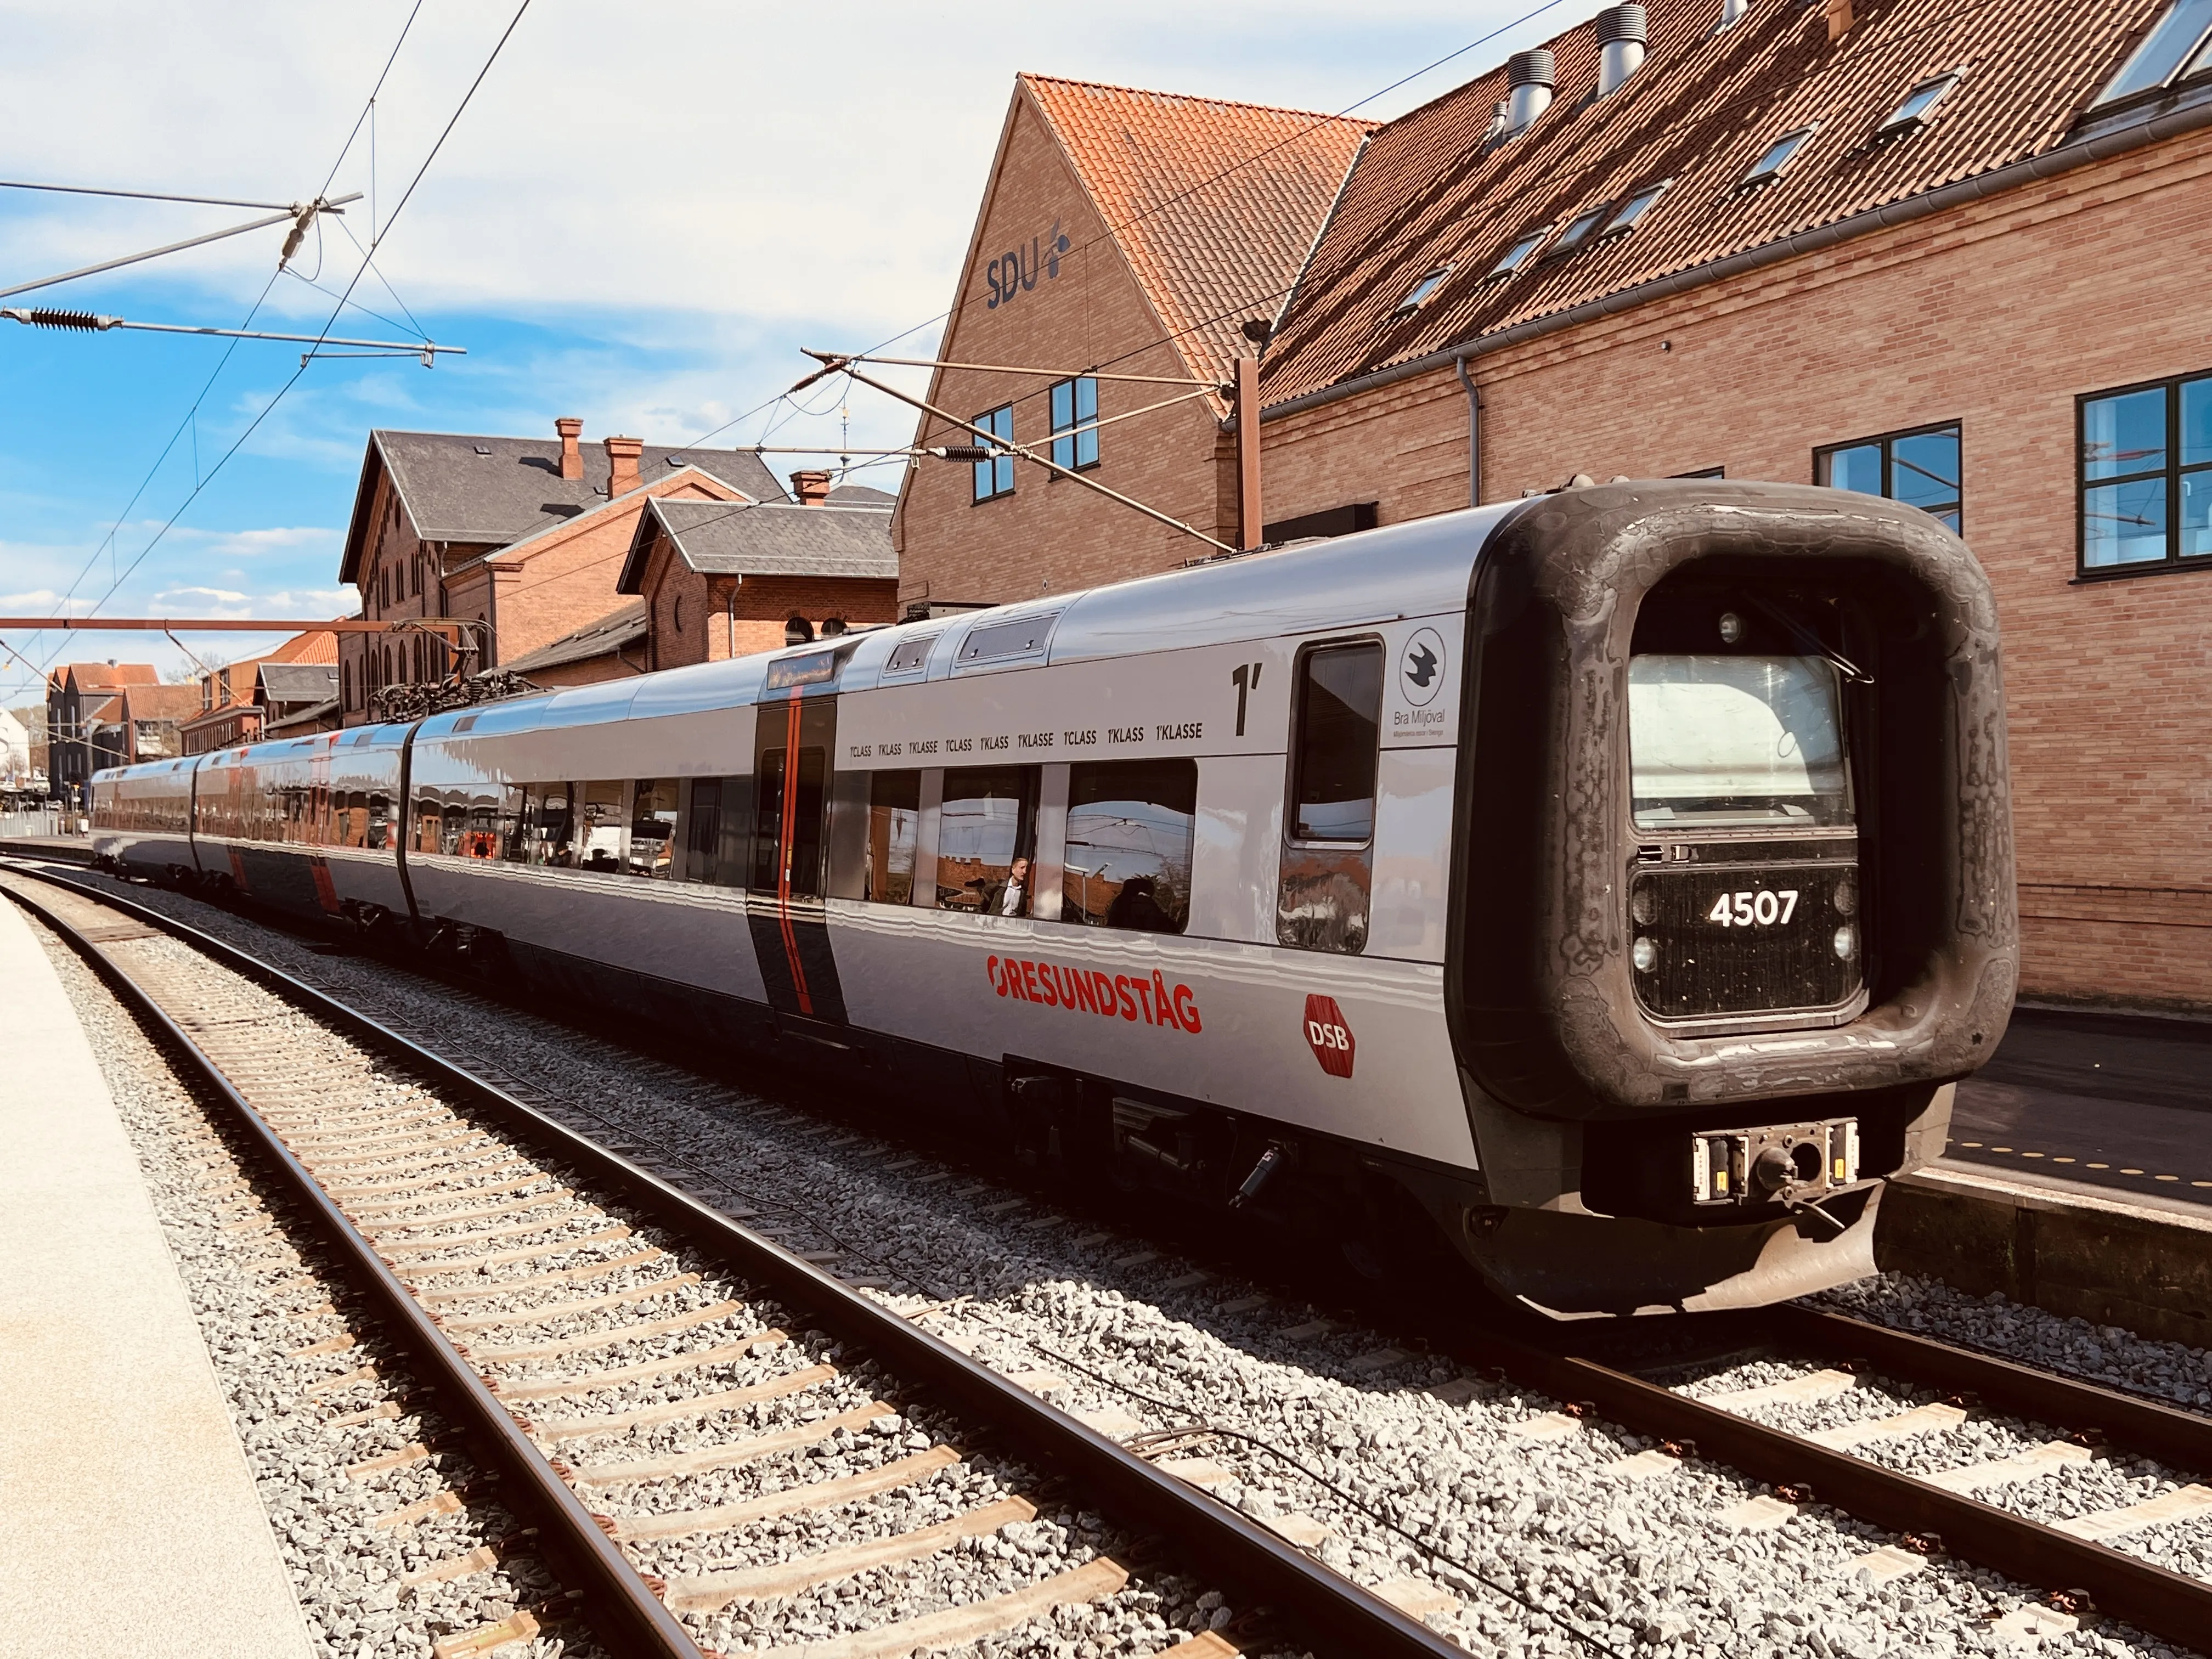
point(1917, 102)
point(1418, 296)
point(1630, 213)
point(2186, 27)
point(1516, 256)
point(1580, 229)
point(1778, 154)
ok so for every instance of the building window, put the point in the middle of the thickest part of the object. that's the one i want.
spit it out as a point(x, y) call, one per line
point(1516, 256)
point(1580, 229)
point(1778, 155)
point(1074, 425)
point(1919, 468)
point(2184, 36)
point(995, 477)
point(1630, 213)
point(2146, 477)
point(1418, 296)
point(1917, 104)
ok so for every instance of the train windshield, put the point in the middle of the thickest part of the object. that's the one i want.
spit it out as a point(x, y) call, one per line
point(1722, 740)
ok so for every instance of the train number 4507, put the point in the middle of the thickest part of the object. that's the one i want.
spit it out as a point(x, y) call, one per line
point(1761, 909)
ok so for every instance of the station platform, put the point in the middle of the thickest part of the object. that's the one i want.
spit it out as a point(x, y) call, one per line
point(130, 1524)
point(64, 849)
point(2119, 1103)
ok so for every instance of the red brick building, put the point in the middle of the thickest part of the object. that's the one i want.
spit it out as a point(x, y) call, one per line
point(1129, 233)
point(84, 728)
point(522, 537)
point(1952, 254)
point(719, 581)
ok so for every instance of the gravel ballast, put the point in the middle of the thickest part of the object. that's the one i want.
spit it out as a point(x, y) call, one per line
point(253, 1288)
point(1533, 1536)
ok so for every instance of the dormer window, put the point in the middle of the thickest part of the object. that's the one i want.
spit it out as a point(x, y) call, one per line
point(1516, 256)
point(1580, 228)
point(1917, 105)
point(1631, 212)
point(2180, 46)
point(1778, 155)
point(1421, 290)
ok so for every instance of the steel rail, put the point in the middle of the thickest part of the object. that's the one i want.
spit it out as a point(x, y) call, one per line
point(2181, 1439)
point(2168, 1605)
point(617, 1603)
point(1327, 1610)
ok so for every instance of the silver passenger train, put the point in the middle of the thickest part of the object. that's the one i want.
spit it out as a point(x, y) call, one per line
point(1618, 880)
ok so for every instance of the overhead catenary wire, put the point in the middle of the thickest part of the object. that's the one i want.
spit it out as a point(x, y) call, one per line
point(189, 422)
point(293, 379)
point(153, 196)
point(299, 215)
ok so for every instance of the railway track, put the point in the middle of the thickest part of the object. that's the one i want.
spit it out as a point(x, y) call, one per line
point(1828, 1432)
point(672, 1403)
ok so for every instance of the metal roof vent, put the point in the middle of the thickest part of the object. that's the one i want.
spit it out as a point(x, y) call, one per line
point(1732, 12)
point(1529, 78)
point(1620, 46)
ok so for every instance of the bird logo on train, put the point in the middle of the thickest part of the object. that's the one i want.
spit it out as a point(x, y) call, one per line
point(1329, 1036)
point(1422, 666)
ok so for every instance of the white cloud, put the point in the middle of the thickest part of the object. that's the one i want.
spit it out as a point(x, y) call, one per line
point(292, 604)
point(760, 162)
point(44, 602)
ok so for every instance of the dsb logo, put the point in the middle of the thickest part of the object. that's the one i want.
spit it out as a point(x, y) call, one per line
point(1328, 1037)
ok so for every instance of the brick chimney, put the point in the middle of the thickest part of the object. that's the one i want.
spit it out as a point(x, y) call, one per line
point(1839, 19)
point(622, 465)
point(572, 457)
point(813, 489)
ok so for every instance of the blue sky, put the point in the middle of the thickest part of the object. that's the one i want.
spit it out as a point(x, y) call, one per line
point(642, 217)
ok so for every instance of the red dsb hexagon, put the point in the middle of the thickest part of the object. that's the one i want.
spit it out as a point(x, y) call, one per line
point(1328, 1037)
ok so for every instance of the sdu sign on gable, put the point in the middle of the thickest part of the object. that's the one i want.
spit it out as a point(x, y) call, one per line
point(1016, 271)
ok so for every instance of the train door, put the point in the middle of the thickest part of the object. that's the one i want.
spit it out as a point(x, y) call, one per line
point(793, 753)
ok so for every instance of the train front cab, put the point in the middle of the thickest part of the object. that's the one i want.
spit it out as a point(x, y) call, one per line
point(1735, 879)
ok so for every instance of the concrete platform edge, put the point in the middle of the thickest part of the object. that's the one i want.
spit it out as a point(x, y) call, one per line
point(2075, 1251)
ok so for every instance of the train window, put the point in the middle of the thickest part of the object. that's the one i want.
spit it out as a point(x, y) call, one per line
point(544, 829)
point(380, 820)
point(1340, 722)
point(790, 850)
point(703, 829)
point(1130, 826)
point(984, 833)
point(894, 820)
point(1719, 739)
point(599, 830)
point(653, 827)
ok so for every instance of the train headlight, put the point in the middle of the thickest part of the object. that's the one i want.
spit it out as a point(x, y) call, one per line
point(1644, 954)
point(1847, 942)
point(1731, 628)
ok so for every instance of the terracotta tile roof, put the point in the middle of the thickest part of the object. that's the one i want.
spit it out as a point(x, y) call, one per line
point(1430, 190)
point(1215, 203)
point(307, 648)
point(92, 677)
point(162, 702)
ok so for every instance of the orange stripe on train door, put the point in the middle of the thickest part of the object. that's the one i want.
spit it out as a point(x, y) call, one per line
point(787, 834)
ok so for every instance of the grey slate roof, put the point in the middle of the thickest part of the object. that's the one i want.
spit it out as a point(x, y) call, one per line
point(309, 718)
point(299, 681)
point(452, 493)
point(610, 634)
point(727, 538)
point(861, 495)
